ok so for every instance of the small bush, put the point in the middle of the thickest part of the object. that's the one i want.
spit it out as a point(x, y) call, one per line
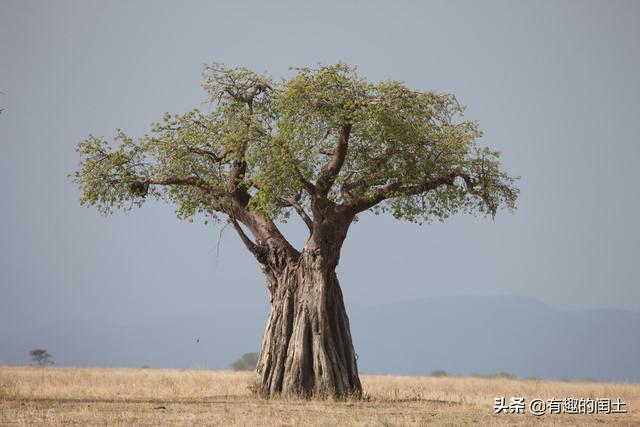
point(247, 362)
point(439, 373)
point(505, 375)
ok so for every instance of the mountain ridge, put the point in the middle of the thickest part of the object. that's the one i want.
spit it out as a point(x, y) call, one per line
point(465, 334)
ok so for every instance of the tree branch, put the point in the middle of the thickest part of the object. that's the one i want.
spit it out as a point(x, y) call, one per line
point(191, 180)
point(208, 153)
point(238, 168)
point(292, 202)
point(265, 232)
point(395, 189)
point(257, 251)
point(332, 168)
point(375, 164)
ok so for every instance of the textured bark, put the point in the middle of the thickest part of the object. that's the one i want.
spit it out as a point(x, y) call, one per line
point(307, 348)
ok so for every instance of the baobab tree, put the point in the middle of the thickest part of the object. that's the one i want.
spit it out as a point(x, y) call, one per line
point(325, 145)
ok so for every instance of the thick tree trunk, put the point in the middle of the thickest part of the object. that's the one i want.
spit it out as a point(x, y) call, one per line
point(306, 348)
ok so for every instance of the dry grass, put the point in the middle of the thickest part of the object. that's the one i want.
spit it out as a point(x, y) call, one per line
point(89, 396)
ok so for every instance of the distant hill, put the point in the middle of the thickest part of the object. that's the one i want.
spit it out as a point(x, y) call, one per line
point(461, 335)
point(491, 334)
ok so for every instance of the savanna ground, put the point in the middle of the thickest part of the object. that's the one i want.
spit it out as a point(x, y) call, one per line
point(91, 396)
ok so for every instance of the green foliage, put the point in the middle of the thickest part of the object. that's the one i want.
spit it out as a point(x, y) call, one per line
point(439, 373)
point(247, 362)
point(272, 141)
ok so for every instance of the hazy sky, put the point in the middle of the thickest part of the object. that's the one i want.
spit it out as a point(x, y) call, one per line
point(554, 85)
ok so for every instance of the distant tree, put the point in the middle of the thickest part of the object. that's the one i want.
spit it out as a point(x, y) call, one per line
point(41, 357)
point(439, 373)
point(247, 362)
point(325, 145)
point(505, 375)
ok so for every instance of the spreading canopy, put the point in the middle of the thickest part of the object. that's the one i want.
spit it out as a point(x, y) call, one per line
point(323, 138)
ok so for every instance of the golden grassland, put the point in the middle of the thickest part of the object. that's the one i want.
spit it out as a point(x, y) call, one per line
point(100, 396)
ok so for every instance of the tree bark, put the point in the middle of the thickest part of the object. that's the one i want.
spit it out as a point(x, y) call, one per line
point(307, 348)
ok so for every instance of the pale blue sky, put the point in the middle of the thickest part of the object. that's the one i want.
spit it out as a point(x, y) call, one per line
point(554, 85)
